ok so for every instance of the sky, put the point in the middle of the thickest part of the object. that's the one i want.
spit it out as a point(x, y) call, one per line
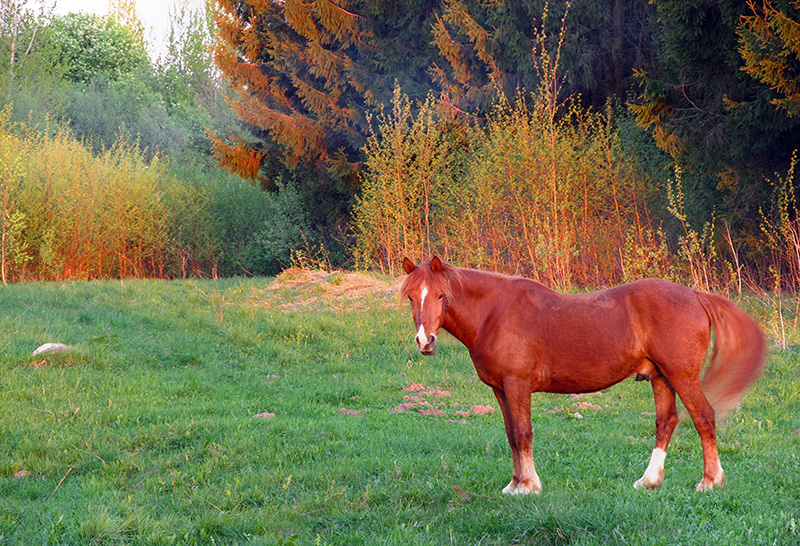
point(154, 14)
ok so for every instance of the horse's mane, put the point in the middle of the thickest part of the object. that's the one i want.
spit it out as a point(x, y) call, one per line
point(441, 281)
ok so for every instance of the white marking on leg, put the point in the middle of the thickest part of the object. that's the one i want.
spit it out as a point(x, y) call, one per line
point(529, 481)
point(654, 475)
point(511, 488)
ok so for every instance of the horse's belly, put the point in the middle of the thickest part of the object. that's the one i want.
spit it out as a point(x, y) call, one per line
point(588, 376)
point(572, 386)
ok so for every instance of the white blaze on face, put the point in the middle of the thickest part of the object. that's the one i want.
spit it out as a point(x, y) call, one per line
point(422, 336)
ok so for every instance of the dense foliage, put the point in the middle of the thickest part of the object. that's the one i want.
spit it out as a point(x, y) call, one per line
point(105, 168)
point(683, 68)
point(91, 46)
point(486, 46)
point(709, 114)
point(585, 142)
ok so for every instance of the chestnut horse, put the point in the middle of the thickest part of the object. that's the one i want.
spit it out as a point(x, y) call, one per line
point(525, 338)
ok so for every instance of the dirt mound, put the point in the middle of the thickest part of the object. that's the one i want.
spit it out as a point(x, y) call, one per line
point(425, 402)
point(296, 289)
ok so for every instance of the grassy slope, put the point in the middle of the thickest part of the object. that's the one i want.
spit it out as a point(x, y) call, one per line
point(153, 423)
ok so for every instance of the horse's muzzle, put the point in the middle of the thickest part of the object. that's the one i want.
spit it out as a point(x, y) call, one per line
point(429, 348)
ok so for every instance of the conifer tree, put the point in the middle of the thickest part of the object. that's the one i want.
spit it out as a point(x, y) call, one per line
point(488, 46)
point(711, 116)
point(306, 72)
point(769, 42)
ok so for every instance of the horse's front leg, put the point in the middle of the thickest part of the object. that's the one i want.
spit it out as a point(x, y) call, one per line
point(511, 488)
point(515, 403)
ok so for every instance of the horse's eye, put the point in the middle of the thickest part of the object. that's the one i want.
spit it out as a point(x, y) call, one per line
point(441, 296)
point(410, 299)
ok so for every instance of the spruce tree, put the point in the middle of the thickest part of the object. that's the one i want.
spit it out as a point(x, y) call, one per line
point(489, 47)
point(305, 74)
point(769, 42)
point(714, 119)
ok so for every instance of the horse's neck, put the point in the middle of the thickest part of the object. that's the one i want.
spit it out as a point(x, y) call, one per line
point(469, 304)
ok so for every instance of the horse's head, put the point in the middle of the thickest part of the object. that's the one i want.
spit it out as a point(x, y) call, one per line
point(428, 287)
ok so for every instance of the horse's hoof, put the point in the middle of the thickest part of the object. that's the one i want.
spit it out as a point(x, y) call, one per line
point(704, 485)
point(534, 487)
point(510, 489)
point(527, 490)
point(650, 480)
point(708, 485)
point(644, 483)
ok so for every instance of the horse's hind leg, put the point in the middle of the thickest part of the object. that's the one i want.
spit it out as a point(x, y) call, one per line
point(666, 421)
point(704, 421)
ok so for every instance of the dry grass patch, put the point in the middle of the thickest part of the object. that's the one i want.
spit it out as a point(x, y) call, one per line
point(298, 289)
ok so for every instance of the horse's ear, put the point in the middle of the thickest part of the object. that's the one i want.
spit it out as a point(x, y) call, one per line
point(408, 266)
point(436, 265)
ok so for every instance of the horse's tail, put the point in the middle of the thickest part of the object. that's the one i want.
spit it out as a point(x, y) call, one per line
point(738, 357)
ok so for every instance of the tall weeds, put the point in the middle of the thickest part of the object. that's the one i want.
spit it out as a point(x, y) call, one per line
point(88, 216)
point(68, 212)
point(541, 188)
point(552, 198)
point(407, 166)
point(697, 258)
point(780, 228)
point(13, 249)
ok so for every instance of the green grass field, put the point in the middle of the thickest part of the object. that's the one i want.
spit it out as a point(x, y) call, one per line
point(157, 430)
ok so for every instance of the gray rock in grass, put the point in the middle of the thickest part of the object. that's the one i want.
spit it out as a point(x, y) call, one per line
point(52, 348)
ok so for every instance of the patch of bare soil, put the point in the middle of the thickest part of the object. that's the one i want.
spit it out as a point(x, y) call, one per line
point(299, 289)
point(577, 404)
point(426, 401)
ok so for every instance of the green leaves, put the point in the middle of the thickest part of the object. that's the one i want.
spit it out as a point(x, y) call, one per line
point(93, 46)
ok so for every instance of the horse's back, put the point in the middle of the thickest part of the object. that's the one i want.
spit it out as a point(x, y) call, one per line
point(580, 342)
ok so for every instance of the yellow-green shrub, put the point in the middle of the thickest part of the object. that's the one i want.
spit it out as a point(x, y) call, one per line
point(85, 216)
point(546, 196)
